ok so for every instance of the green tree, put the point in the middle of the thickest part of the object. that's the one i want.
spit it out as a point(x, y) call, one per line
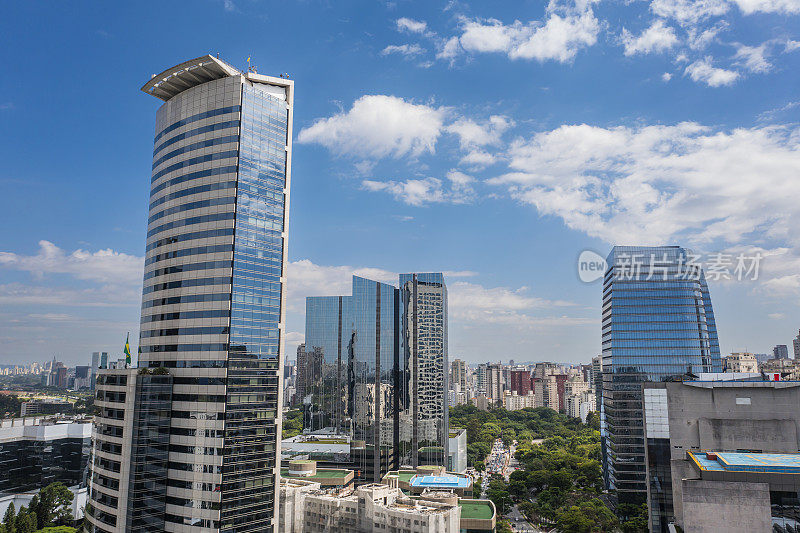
point(8, 519)
point(635, 517)
point(586, 517)
point(53, 506)
point(25, 522)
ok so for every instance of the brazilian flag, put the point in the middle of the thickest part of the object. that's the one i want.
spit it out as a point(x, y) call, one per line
point(127, 350)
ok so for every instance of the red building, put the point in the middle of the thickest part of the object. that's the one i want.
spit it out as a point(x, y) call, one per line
point(521, 382)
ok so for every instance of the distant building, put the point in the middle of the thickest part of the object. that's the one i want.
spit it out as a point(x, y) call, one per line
point(741, 362)
point(458, 375)
point(796, 345)
point(512, 401)
point(580, 404)
point(521, 382)
point(780, 351)
point(494, 382)
point(693, 480)
point(481, 379)
point(45, 407)
point(782, 369)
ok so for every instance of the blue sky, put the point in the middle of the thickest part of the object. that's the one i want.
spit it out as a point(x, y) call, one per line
point(491, 140)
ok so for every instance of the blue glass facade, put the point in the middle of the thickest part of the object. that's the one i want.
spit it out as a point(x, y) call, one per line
point(658, 325)
point(329, 327)
point(358, 375)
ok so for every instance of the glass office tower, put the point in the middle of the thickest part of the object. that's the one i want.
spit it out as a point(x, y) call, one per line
point(375, 369)
point(329, 326)
point(425, 344)
point(658, 325)
point(212, 305)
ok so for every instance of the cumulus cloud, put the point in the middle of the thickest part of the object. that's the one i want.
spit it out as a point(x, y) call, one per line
point(748, 7)
point(468, 302)
point(559, 37)
point(378, 126)
point(408, 50)
point(411, 25)
point(666, 77)
point(753, 58)
point(657, 38)
point(105, 266)
point(656, 184)
point(472, 134)
point(703, 71)
point(417, 192)
point(689, 12)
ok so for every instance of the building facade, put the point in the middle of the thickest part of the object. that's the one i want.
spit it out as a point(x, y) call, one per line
point(684, 420)
point(796, 346)
point(458, 375)
point(741, 362)
point(657, 324)
point(212, 304)
point(425, 342)
point(780, 351)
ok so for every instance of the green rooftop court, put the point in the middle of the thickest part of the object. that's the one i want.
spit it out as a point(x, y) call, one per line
point(476, 509)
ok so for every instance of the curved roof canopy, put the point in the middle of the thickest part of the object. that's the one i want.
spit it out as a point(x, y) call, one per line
point(188, 74)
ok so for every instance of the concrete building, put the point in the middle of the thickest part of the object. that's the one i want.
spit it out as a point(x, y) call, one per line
point(213, 308)
point(494, 383)
point(580, 404)
point(780, 351)
point(781, 369)
point(512, 401)
point(683, 420)
point(796, 346)
point(481, 379)
point(372, 507)
point(110, 477)
point(45, 407)
point(741, 362)
point(458, 375)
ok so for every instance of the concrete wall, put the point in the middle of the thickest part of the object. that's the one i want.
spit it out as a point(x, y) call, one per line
point(725, 507)
point(728, 416)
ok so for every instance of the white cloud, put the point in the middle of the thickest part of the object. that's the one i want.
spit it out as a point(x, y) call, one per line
point(656, 184)
point(666, 77)
point(565, 31)
point(478, 158)
point(408, 50)
point(378, 126)
point(689, 12)
point(105, 266)
point(787, 7)
point(703, 71)
point(468, 303)
point(657, 38)
point(776, 316)
point(418, 192)
point(411, 25)
point(472, 134)
point(753, 58)
point(790, 46)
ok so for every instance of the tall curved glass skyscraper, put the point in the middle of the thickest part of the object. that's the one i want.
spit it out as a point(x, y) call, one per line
point(658, 324)
point(213, 304)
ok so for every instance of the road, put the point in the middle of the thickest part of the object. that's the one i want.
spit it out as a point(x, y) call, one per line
point(519, 523)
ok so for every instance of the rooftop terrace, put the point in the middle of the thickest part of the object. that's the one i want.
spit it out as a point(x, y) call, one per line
point(476, 509)
point(777, 463)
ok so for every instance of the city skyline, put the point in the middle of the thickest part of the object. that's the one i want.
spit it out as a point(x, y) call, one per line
point(695, 101)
